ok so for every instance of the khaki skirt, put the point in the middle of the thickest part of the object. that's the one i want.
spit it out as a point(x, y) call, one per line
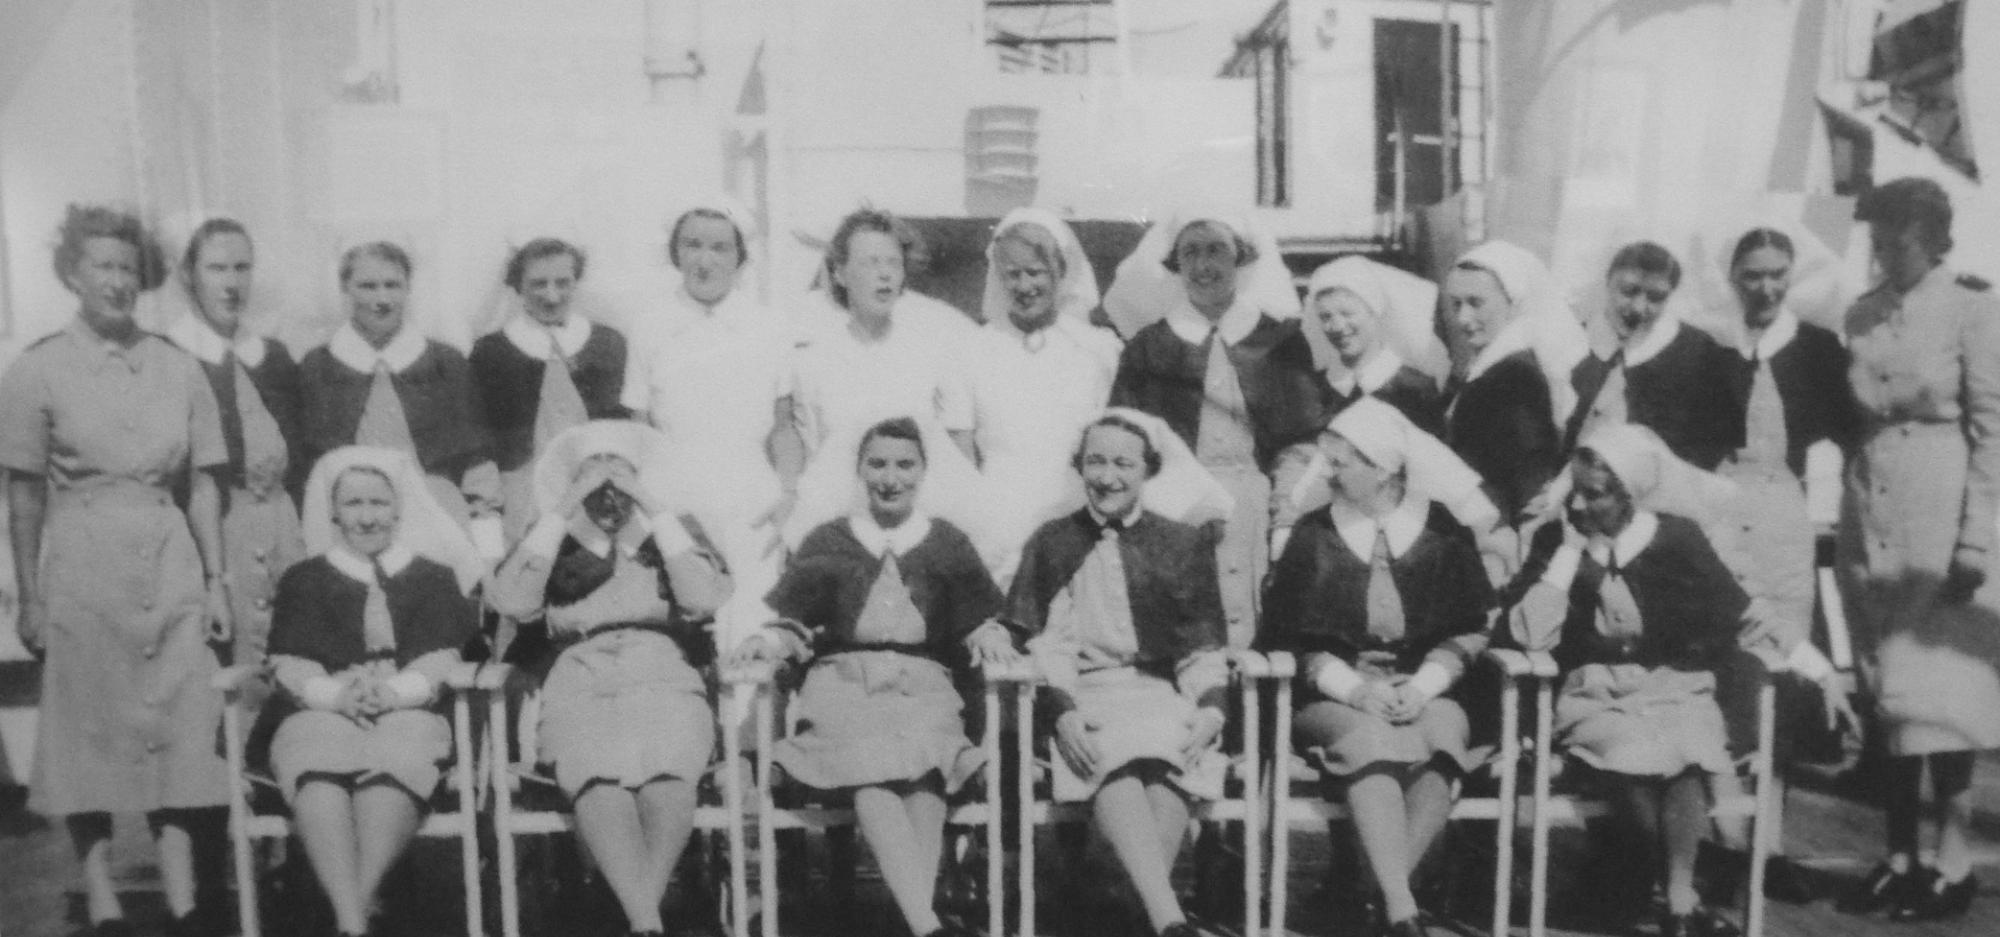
point(625, 708)
point(876, 717)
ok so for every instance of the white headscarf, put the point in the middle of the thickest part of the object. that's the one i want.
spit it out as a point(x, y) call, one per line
point(1405, 303)
point(1075, 293)
point(1144, 289)
point(1543, 320)
point(1388, 439)
point(1815, 294)
point(423, 526)
point(1181, 491)
point(641, 446)
point(1657, 480)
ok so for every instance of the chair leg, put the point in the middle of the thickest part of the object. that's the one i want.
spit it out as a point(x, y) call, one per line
point(767, 831)
point(1279, 785)
point(504, 847)
point(468, 813)
point(732, 797)
point(1538, 894)
point(1766, 815)
point(996, 893)
point(241, 848)
point(1504, 822)
point(1253, 840)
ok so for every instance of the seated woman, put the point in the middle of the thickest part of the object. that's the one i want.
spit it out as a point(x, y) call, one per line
point(1126, 611)
point(623, 588)
point(362, 636)
point(1384, 598)
point(1642, 616)
point(882, 605)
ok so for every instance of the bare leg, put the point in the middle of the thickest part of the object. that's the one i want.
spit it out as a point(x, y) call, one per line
point(886, 823)
point(175, 843)
point(608, 823)
point(1124, 815)
point(1170, 814)
point(1380, 821)
point(1951, 781)
point(666, 808)
point(1427, 808)
point(324, 814)
point(90, 834)
point(1683, 822)
point(1733, 832)
point(385, 821)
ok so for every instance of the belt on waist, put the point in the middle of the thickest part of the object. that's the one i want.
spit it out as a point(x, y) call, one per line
point(121, 491)
point(1909, 426)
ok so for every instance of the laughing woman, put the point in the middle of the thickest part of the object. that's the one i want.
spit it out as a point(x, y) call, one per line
point(1127, 619)
point(881, 607)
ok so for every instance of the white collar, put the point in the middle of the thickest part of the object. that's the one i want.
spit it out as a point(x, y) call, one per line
point(349, 348)
point(1776, 336)
point(630, 537)
point(1372, 374)
point(736, 309)
point(532, 337)
point(198, 338)
point(1665, 330)
point(1235, 325)
point(1630, 542)
point(358, 568)
point(900, 539)
point(1402, 524)
point(1124, 523)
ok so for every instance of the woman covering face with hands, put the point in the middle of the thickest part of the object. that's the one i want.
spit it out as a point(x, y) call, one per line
point(1126, 614)
point(625, 589)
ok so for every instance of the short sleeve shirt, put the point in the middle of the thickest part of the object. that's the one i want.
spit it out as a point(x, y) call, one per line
point(81, 410)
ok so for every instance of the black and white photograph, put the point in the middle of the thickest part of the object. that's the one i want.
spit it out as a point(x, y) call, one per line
point(999, 468)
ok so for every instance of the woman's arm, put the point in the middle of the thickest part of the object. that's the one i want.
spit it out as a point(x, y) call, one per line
point(699, 583)
point(204, 514)
point(27, 504)
point(518, 588)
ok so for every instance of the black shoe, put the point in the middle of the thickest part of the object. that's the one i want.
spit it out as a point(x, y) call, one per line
point(192, 924)
point(1785, 881)
point(1703, 921)
point(1939, 901)
point(1884, 887)
point(1180, 929)
point(112, 927)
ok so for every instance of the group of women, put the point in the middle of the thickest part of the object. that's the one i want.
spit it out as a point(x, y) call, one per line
point(884, 494)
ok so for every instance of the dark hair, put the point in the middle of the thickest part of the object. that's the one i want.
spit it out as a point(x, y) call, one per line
point(674, 234)
point(1045, 246)
point(213, 227)
point(866, 219)
point(1910, 202)
point(1758, 239)
point(1246, 252)
point(517, 265)
point(1590, 459)
point(1647, 258)
point(380, 250)
point(84, 222)
point(895, 427)
point(1114, 421)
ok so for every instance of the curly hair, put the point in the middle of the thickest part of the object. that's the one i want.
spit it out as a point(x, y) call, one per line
point(881, 222)
point(82, 223)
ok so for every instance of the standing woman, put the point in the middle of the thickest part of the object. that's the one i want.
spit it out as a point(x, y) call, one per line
point(626, 592)
point(1514, 342)
point(1044, 371)
point(1366, 310)
point(1917, 535)
point(256, 386)
point(378, 382)
point(526, 401)
point(882, 362)
point(365, 635)
point(713, 371)
point(97, 422)
point(1676, 381)
point(1792, 385)
point(1235, 379)
point(1127, 623)
point(1384, 597)
point(881, 606)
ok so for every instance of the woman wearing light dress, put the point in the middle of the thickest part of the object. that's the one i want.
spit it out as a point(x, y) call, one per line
point(1043, 371)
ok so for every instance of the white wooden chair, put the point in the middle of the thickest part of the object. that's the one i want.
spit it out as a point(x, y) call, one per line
point(247, 826)
point(1758, 803)
point(982, 814)
point(1289, 810)
point(1247, 670)
point(512, 777)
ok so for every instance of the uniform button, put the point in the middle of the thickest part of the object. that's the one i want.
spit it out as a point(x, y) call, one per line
point(150, 652)
point(146, 605)
point(155, 747)
point(261, 555)
point(262, 605)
